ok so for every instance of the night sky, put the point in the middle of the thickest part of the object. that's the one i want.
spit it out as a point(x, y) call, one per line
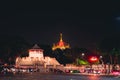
point(83, 24)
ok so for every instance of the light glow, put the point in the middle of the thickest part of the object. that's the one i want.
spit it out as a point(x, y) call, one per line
point(93, 59)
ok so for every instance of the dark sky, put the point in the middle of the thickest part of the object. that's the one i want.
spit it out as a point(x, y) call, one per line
point(82, 23)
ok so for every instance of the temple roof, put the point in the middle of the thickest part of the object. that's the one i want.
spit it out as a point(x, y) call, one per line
point(35, 47)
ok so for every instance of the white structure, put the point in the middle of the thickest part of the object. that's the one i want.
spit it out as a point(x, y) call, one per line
point(36, 58)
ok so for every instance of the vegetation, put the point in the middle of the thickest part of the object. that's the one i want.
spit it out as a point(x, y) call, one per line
point(68, 56)
point(110, 46)
point(11, 47)
point(14, 46)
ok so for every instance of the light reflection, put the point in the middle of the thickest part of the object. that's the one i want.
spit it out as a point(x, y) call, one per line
point(93, 77)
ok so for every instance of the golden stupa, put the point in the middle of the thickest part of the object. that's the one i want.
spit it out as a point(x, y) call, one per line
point(61, 44)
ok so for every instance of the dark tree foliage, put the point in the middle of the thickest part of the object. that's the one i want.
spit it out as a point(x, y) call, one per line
point(110, 42)
point(47, 50)
point(68, 56)
point(110, 48)
point(61, 56)
point(77, 52)
point(12, 47)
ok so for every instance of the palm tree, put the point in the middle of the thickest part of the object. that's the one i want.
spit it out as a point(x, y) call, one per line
point(114, 55)
point(110, 45)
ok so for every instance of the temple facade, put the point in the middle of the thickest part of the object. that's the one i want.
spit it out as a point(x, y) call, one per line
point(61, 44)
point(36, 58)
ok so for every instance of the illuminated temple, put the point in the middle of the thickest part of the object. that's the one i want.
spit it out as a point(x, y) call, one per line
point(61, 44)
point(36, 57)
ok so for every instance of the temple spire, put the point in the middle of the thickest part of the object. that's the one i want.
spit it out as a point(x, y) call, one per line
point(61, 44)
point(61, 37)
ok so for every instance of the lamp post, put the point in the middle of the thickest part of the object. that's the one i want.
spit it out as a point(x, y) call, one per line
point(102, 64)
point(83, 54)
point(101, 60)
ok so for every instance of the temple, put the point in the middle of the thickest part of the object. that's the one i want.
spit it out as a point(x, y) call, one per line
point(61, 44)
point(36, 58)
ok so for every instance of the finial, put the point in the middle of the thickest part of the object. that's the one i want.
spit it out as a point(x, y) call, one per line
point(61, 37)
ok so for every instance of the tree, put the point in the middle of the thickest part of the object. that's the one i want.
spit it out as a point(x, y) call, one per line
point(59, 55)
point(115, 53)
point(47, 50)
point(110, 46)
point(11, 47)
point(63, 56)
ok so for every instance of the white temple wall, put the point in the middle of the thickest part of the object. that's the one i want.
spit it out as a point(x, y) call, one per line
point(36, 58)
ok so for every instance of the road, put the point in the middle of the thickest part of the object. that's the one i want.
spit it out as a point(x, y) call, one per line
point(54, 76)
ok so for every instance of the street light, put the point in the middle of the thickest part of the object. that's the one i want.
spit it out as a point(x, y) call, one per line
point(83, 54)
point(101, 59)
